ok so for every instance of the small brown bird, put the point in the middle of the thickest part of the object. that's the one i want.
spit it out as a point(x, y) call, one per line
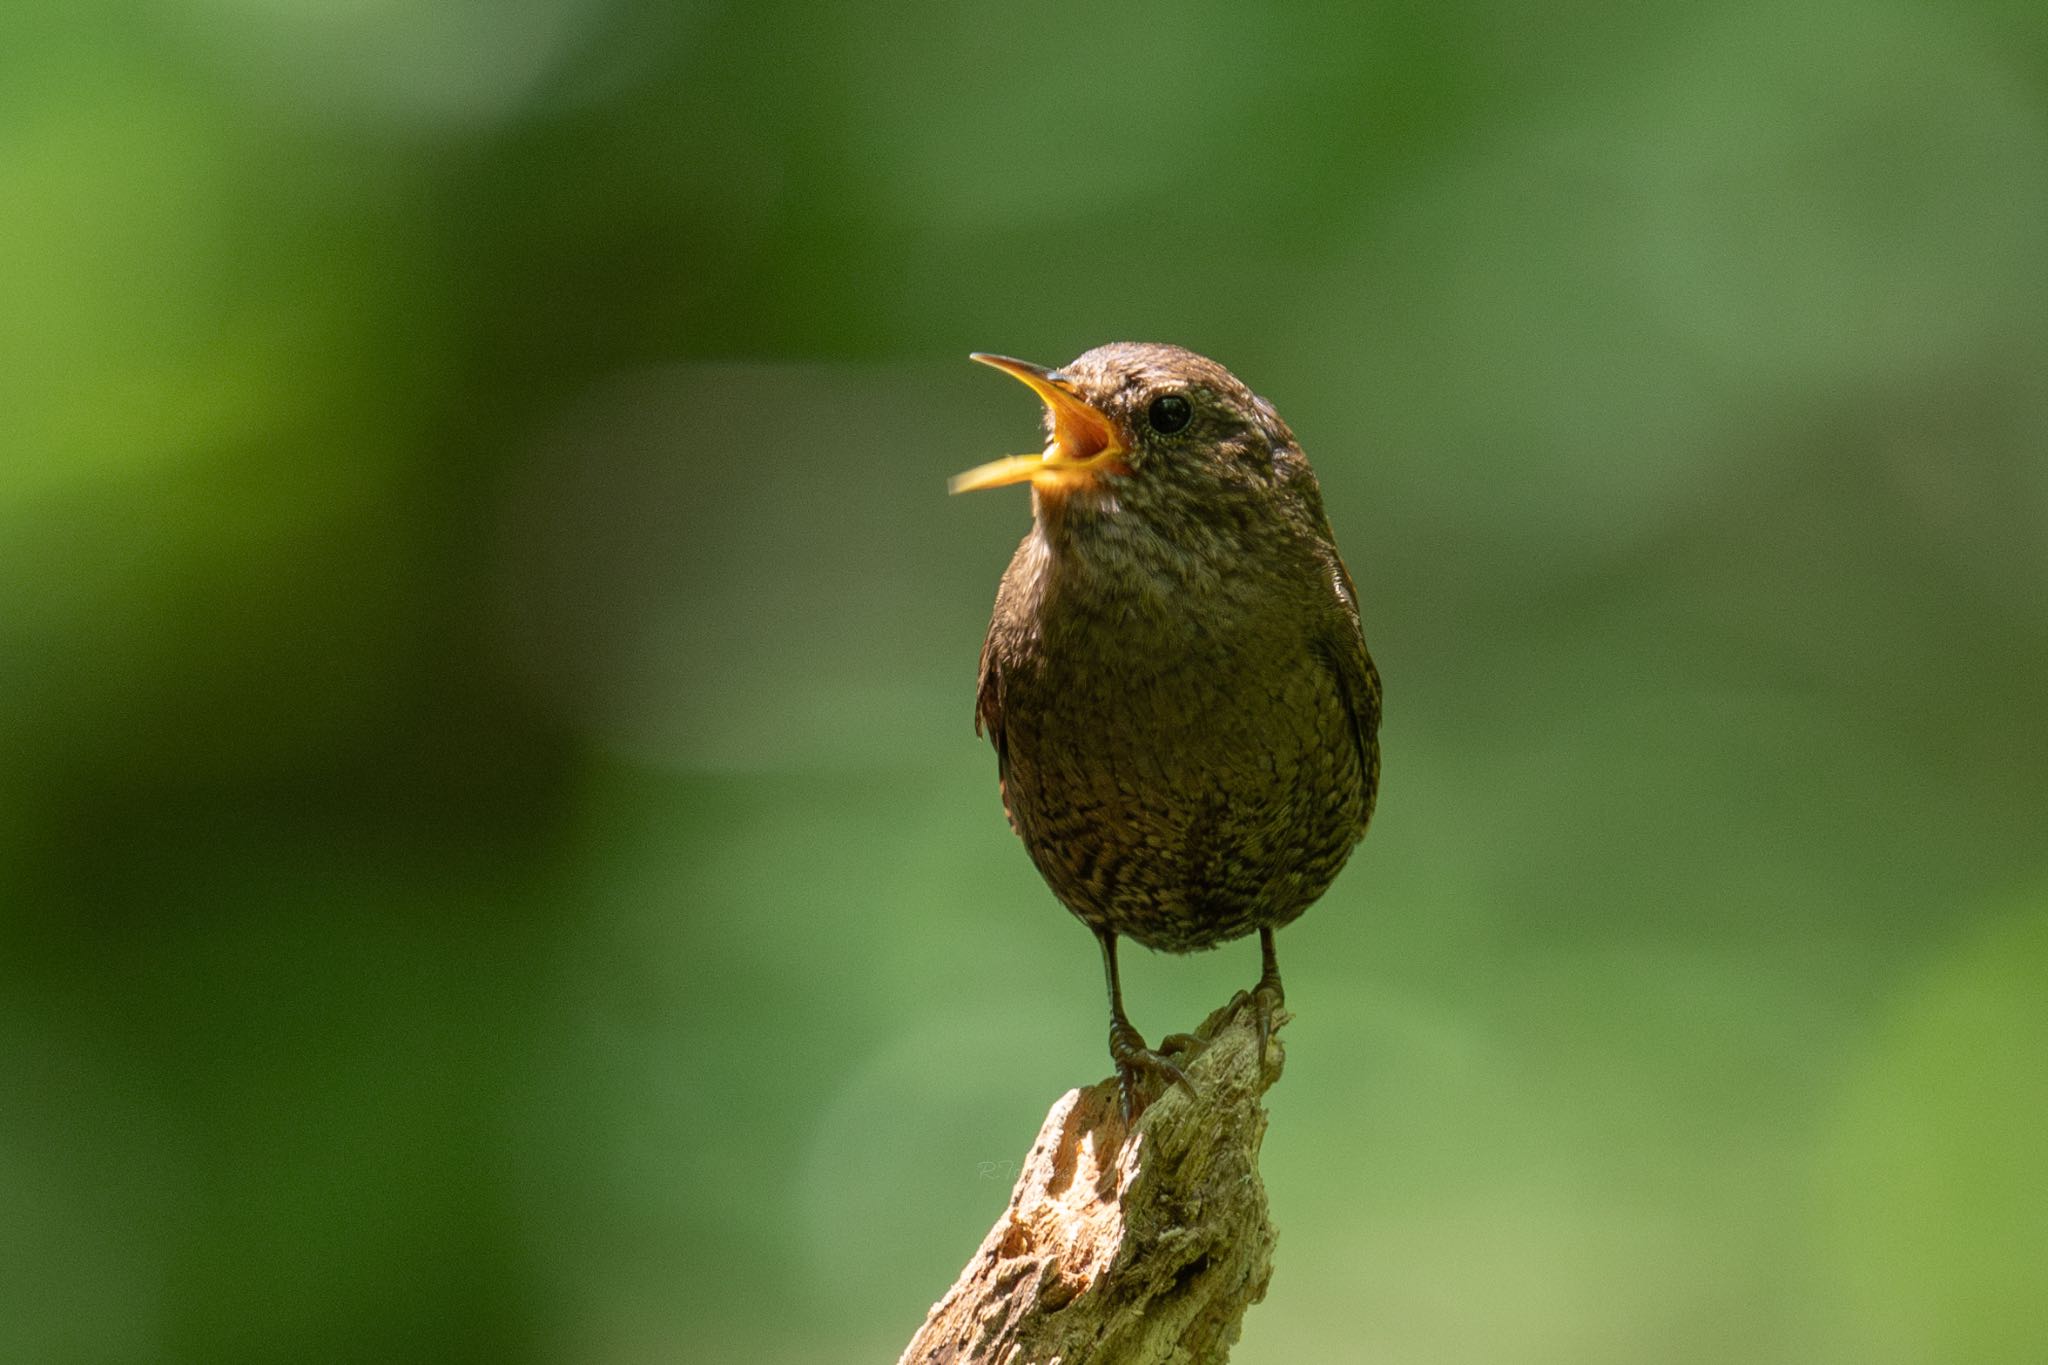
point(1183, 710)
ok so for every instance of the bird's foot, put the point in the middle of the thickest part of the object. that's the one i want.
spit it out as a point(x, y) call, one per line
point(1134, 1060)
point(1266, 1000)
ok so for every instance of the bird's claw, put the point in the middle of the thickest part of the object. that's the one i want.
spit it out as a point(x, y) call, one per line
point(1266, 1000)
point(1133, 1059)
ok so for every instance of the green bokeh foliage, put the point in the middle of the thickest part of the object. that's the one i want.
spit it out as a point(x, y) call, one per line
point(493, 863)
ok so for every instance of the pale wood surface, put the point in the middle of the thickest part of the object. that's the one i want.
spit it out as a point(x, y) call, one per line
point(1138, 1250)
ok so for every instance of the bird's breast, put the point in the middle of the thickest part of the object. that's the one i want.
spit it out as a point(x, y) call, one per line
point(1179, 776)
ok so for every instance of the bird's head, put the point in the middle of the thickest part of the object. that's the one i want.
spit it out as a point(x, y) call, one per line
point(1149, 430)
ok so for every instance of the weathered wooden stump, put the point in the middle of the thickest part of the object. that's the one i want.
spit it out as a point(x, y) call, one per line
point(1139, 1248)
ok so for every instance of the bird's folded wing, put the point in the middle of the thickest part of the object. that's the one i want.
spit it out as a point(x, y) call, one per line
point(1342, 649)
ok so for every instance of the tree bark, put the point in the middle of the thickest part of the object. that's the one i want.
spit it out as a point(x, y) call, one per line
point(1127, 1249)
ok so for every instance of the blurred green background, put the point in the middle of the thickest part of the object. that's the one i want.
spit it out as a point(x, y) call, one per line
point(494, 865)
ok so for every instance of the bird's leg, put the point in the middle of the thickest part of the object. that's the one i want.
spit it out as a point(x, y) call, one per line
point(1127, 1046)
point(1267, 996)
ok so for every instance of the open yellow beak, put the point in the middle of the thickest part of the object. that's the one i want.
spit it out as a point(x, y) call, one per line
point(1083, 439)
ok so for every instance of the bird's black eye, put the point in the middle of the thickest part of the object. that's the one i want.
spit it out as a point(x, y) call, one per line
point(1169, 413)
